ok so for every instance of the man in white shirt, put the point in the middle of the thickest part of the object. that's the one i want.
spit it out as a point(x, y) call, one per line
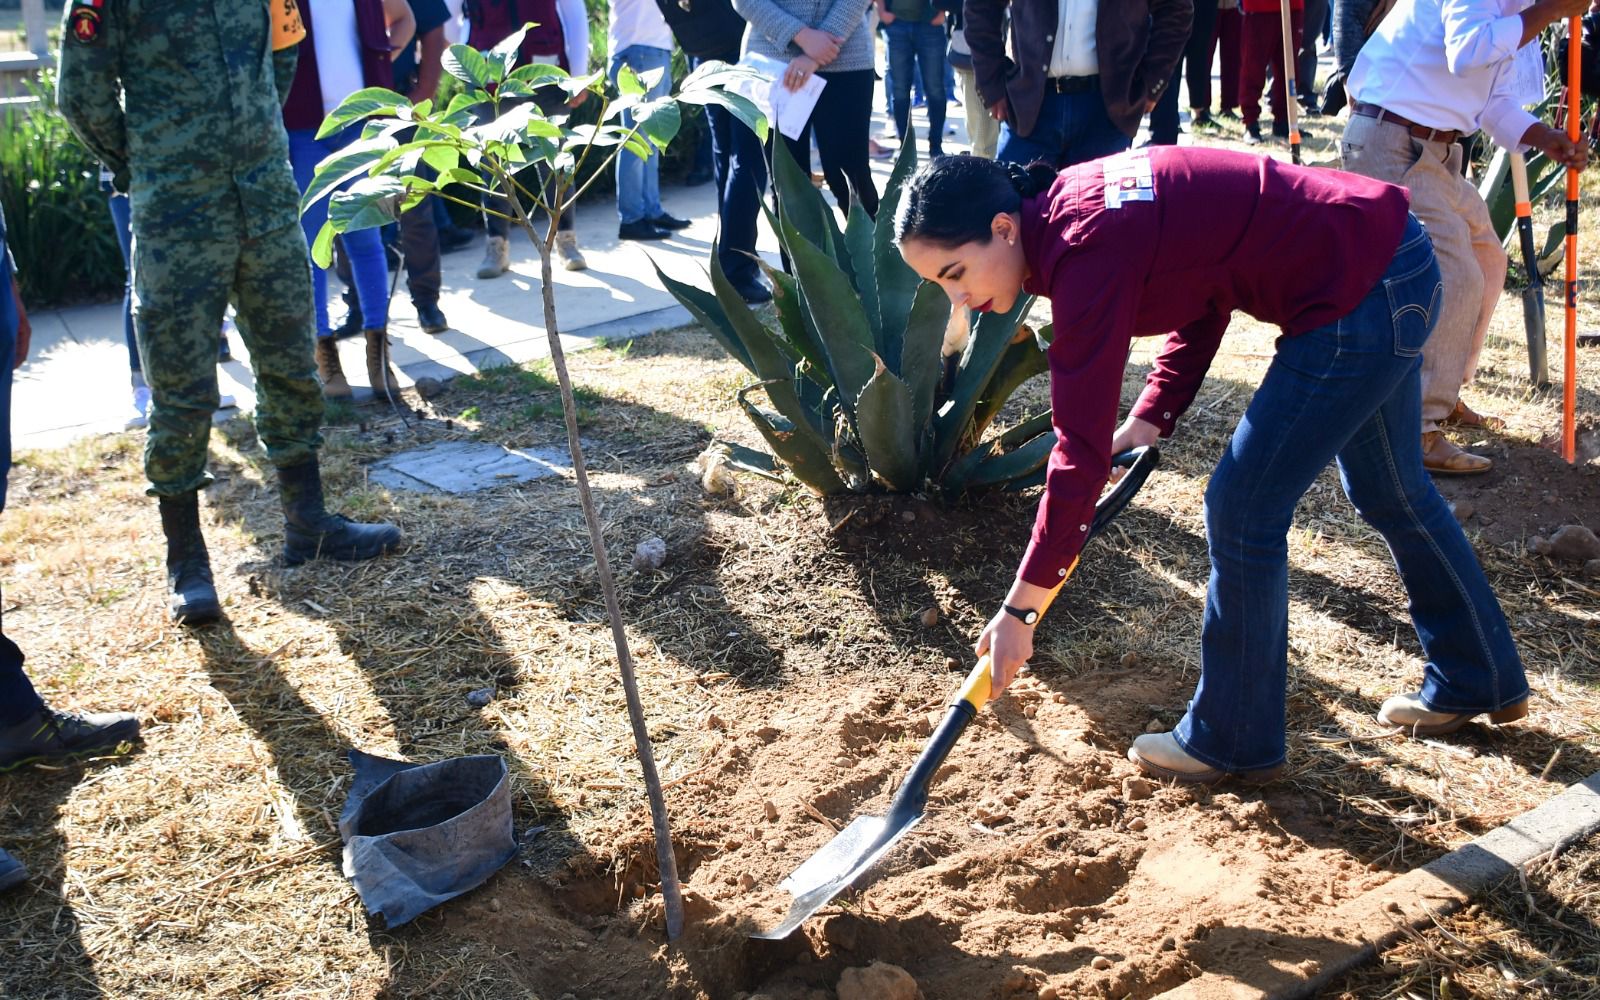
point(1433, 71)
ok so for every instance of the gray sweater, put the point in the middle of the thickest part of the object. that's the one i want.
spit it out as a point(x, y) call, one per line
point(774, 23)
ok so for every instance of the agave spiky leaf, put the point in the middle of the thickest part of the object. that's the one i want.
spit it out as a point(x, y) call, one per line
point(837, 319)
point(887, 431)
point(921, 360)
point(897, 283)
point(703, 306)
point(991, 336)
point(797, 450)
point(859, 235)
point(1021, 361)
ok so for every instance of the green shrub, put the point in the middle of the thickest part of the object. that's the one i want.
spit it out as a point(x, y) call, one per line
point(57, 224)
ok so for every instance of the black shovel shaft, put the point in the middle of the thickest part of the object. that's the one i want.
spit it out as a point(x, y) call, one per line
point(1533, 305)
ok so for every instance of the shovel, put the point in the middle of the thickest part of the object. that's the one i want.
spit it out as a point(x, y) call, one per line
point(859, 846)
point(1533, 295)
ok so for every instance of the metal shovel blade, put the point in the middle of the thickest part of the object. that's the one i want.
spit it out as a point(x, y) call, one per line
point(831, 870)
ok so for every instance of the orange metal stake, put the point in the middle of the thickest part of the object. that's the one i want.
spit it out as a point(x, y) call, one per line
point(1569, 400)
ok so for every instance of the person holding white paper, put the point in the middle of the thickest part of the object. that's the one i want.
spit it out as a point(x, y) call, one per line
point(826, 39)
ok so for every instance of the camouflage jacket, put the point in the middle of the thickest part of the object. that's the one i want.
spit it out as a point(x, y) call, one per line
point(181, 100)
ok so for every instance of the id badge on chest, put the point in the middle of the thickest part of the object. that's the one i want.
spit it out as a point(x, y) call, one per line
point(1128, 178)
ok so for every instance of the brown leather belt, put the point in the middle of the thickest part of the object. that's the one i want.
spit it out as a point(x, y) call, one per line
point(1420, 131)
point(1072, 84)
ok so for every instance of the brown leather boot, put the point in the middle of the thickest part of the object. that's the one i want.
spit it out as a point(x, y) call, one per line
point(334, 384)
point(379, 375)
point(1443, 457)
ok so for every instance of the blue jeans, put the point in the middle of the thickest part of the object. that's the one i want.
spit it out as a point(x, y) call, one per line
point(740, 165)
point(1071, 128)
point(1350, 391)
point(364, 247)
point(118, 203)
point(639, 181)
point(920, 46)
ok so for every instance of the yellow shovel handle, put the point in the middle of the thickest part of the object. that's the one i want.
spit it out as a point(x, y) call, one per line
point(975, 689)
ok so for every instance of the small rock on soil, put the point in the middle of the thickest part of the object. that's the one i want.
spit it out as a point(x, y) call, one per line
point(878, 981)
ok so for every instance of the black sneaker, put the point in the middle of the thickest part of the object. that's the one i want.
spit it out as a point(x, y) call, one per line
point(666, 221)
point(643, 229)
point(1252, 134)
point(1281, 132)
point(12, 872)
point(432, 318)
point(50, 736)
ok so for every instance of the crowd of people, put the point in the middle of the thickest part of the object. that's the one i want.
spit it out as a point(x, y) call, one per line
point(205, 115)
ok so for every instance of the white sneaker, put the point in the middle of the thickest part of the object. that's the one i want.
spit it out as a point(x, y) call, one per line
point(141, 409)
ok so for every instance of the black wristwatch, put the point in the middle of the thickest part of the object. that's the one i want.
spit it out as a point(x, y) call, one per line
point(1026, 616)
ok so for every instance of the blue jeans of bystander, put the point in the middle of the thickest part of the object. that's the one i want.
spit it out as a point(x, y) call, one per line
point(364, 247)
point(639, 181)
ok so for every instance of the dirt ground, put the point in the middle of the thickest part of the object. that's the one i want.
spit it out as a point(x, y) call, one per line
point(790, 675)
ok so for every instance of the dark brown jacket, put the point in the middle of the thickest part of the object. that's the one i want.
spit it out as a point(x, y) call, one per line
point(1138, 43)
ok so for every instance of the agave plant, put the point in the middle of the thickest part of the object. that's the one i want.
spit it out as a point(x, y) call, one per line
point(850, 357)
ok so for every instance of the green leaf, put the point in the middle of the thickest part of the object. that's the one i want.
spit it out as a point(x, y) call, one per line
point(703, 306)
point(836, 317)
point(363, 103)
point(897, 283)
point(370, 202)
point(800, 204)
point(991, 337)
point(658, 120)
point(885, 425)
point(351, 161)
point(858, 237)
point(503, 57)
point(792, 320)
point(576, 85)
point(538, 74)
point(772, 359)
point(1021, 361)
point(322, 246)
point(442, 158)
point(795, 450)
point(628, 82)
point(1014, 465)
point(921, 358)
point(468, 65)
point(738, 105)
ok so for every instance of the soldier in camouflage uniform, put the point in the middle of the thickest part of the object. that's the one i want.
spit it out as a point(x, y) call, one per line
point(181, 102)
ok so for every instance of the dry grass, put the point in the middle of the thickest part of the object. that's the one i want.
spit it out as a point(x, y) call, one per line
point(207, 865)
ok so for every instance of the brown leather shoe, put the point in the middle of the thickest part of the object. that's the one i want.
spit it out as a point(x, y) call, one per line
point(334, 384)
point(379, 375)
point(1415, 719)
point(1465, 416)
point(1442, 457)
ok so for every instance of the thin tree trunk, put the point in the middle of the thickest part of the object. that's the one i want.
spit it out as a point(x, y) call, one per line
point(671, 893)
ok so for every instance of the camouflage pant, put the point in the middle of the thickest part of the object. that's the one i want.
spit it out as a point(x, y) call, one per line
point(182, 283)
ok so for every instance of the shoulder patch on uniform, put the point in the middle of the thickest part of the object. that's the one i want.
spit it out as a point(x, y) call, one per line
point(84, 21)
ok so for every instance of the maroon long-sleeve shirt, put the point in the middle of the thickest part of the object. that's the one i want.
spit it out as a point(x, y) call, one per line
point(1174, 239)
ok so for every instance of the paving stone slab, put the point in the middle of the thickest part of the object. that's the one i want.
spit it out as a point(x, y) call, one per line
point(467, 466)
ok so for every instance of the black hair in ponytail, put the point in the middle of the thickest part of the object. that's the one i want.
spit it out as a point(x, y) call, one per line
point(953, 199)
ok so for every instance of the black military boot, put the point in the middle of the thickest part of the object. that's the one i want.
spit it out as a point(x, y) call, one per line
point(310, 532)
point(191, 596)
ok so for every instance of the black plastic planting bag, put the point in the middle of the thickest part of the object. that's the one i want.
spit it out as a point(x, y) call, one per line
point(416, 835)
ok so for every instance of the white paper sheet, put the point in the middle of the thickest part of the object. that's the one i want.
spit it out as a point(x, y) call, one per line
point(788, 109)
